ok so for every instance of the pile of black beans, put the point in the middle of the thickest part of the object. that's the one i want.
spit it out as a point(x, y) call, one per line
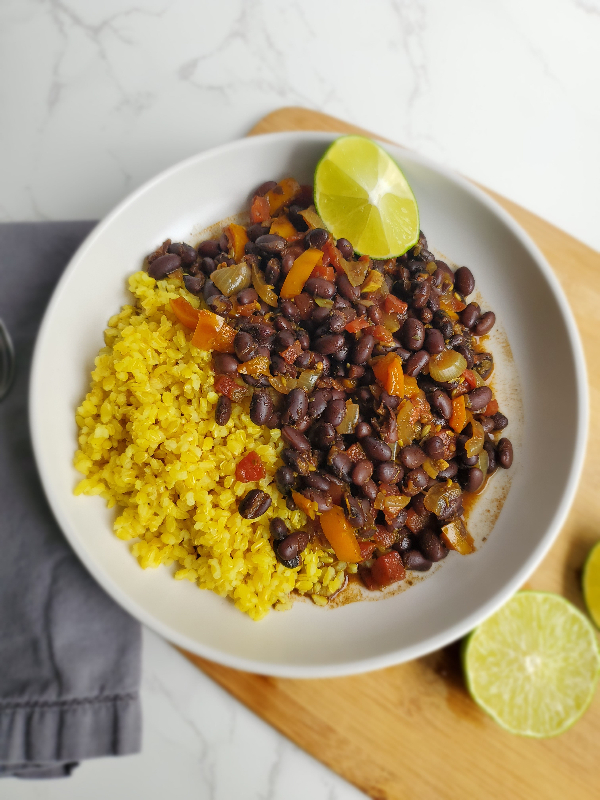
point(351, 469)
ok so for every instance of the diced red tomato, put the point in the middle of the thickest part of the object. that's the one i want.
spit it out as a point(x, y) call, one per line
point(250, 468)
point(388, 569)
point(366, 550)
point(381, 333)
point(416, 522)
point(470, 378)
point(384, 538)
point(322, 271)
point(331, 255)
point(291, 353)
point(259, 210)
point(490, 409)
point(357, 324)
point(366, 576)
point(393, 305)
point(227, 386)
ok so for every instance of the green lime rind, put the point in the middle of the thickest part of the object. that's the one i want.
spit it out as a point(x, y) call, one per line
point(590, 584)
point(384, 228)
point(533, 666)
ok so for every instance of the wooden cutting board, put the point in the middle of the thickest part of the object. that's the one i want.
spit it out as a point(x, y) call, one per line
point(412, 731)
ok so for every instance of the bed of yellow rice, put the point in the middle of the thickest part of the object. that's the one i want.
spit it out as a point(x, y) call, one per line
point(149, 444)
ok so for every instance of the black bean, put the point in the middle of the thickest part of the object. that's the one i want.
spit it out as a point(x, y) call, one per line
point(414, 560)
point(376, 449)
point(318, 403)
point(450, 470)
point(341, 465)
point(491, 451)
point(223, 410)
point(208, 266)
point(284, 339)
point(163, 266)
point(244, 345)
point(375, 314)
point(316, 238)
point(297, 404)
point(434, 341)
point(208, 249)
point(323, 434)
point(487, 423)
point(354, 510)
point(254, 231)
point(362, 472)
point(303, 425)
point(500, 421)
point(412, 456)
point(319, 287)
point(363, 349)
point(441, 402)
point(416, 362)
point(247, 296)
point(279, 530)
point(417, 478)
point(290, 310)
point(484, 324)
point(271, 244)
point(421, 294)
point(474, 479)
point(369, 490)
point(293, 562)
point(464, 281)
point(431, 546)
point(468, 461)
point(322, 499)
point(282, 323)
point(467, 354)
point(295, 218)
point(290, 547)
point(315, 481)
point(345, 248)
point(194, 283)
point(389, 400)
point(434, 447)
point(426, 315)
point(404, 542)
point(261, 407)
point(504, 452)
point(219, 304)
point(210, 290)
point(264, 188)
point(346, 289)
point(285, 479)
point(272, 271)
point(254, 504)
point(470, 315)
point(455, 341)
point(225, 363)
point(224, 242)
point(478, 398)
point(389, 472)
point(363, 429)
point(413, 334)
point(295, 439)
point(327, 345)
point(274, 421)
point(186, 252)
point(335, 412)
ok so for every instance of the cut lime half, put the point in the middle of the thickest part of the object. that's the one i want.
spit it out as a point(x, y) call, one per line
point(362, 195)
point(533, 665)
point(591, 583)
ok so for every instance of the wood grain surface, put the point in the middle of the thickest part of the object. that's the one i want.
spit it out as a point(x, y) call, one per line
point(412, 731)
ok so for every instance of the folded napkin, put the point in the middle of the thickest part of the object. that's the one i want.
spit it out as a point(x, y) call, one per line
point(69, 656)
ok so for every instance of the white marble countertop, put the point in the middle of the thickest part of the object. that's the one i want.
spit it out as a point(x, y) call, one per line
point(97, 97)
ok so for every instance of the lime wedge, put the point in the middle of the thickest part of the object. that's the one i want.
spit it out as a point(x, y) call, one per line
point(361, 195)
point(533, 666)
point(591, 583)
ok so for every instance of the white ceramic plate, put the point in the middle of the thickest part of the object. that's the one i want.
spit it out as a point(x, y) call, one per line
point(459, 221)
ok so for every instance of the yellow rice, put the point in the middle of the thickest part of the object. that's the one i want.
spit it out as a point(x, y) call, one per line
point(150, 445)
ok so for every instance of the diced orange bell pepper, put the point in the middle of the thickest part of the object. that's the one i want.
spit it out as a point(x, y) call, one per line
point(458, 420)
point(388, 372)
point(238, 239)
point(490, 409)
point(373, 282)
point(393, 305)
point(456, 537)
point(185, 312)
point(340, 535)
point(310, 507)
point(213, 333)
point(357, 324)
point(259, 210)
point(300, 272)
point(411, 387)
point(283, 227)
point(255, 367)
point(282, 195)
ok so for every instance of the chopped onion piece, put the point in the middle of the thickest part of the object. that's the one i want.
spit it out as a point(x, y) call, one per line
point(263, 289)
point(323, 302)
point(447, 366)
point(230, 280)
point(474, 445)
point(484, 461)
point(439, 497)
point(356, 271)
point(312, 219)
point(308, 380)
point(349, 422)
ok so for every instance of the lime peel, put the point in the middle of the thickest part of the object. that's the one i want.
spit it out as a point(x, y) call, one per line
point(362, 195)
point(533, 666)
point(591, 583)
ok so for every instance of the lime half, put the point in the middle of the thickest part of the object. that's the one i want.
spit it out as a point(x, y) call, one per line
point(591, 583)
point(533, 666)
point(361, 195)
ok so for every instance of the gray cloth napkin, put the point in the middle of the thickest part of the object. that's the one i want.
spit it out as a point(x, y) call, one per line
point(69, 656)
